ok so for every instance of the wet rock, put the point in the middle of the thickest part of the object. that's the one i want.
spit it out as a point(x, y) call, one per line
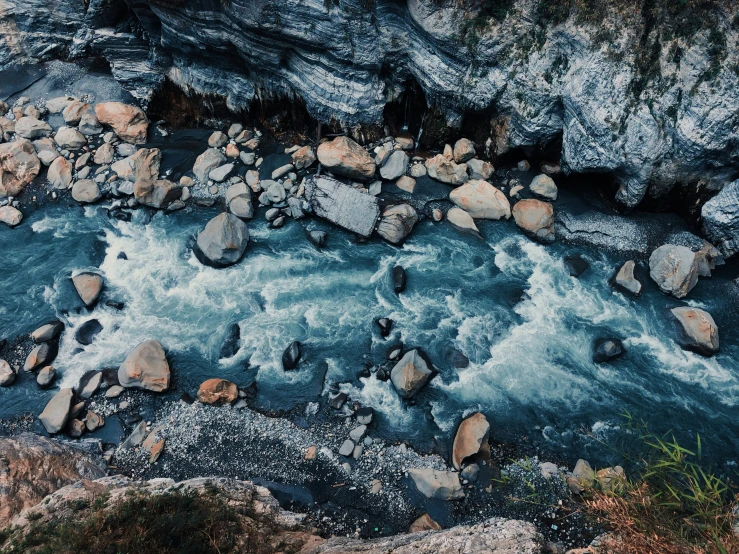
point(607, 349)
point(479, 169)
point(674, 269)
point(343, 156)
point(461, 219)
point(543, 186)
point(88, 331)
point(88, 287)
point(217, 392)
point(55, 414)
point(433, 483)
point(146, 368)
point(697, 330)
point(576, 265)
point(342, 205)
point(7, 375)
point(86, 191)
point(19, 165)
point(41, 355)
point(158, 194)
point(472, 435)
point(318, 238)
point(70, 139)
point(291, 356)
point(223, 241)
point(536, 219)
point(46, 376)
point(458, 360)
point(394, 165)
point(364, 415)
point(231, 342)
point(89, 384)
point(217, 139)
point(247, 158)
point(338, 400)
point(238, 200)
point(445, 170)
point(129, 122)
point(48, 331)
point(385, 326)
point(626, 279)
point(32, 128)
point(10, 216)
point(303, 157)
point(206, 162)
point(410, 374)
point(399, 279)
point(481, 200)
point(397, 223)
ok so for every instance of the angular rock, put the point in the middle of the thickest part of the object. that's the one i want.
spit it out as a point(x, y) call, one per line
point(481, 200)
point(345, 157)
point(73, 112)
point(472, 435)
point(88, 286)
point(626, 279)
point(89, 125)
point(129, 122)
point(576, 265)
point(10, 216)
point(104, 154)
point(464, 149)
point(395, 165)
point(479, 169)
point(433, 483)
point(159, 193)
point(221, 173)
point(424, 523)
point(206, 162)
point(406, 184)
point(303, 157)
point(607, 349)
point(7, 375)
point(536, 219)
point(48, 331)
point(86, 191)
point(291, 356)
point(342, 205)
point(397, 223)
point(544, 187)
point(60, 173)
point(32, 128)
point(217, 392)
point(55, 414)
point(385, 324)
point(223, 241)
point(445, 170)
point(674, 269)
point(57, 105)
point(19, 165)
point(70, 139)
point(89, 384)
point(318, 238)
point(697, 330)
point(146, 368)
point(347, 448)
point(217, 139)
point(142, 164)
point(410, 374)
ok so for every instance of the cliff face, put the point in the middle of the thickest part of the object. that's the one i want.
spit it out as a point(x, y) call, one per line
point(649, 99)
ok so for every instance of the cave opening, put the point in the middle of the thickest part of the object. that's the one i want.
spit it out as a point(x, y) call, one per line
point(405, 115)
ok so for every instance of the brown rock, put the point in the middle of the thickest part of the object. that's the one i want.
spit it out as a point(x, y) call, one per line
point(86, 191)
point(312, 453)
point(699, 332)
point(345, 157)
point(397, 222)
point(145, 367)
point(536, 219)
point(10, 216)
point(94, 421)
point(217, 392)
point(74, 112)
point(461, 219)
point(129, 122)
point(232, 151)
point(464, 149)
point(156, 450)
point(424, 523)
point(410, 374)
point(408, 184)
point(481, 200)
point(88, 286)
point(158, 193)
point(446, 170)
point(56, 413)
point(471, 435)
point(19, 165)
point(303, 157)
point(59, 174)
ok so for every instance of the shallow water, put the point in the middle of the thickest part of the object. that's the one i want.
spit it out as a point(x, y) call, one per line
point(505, 302)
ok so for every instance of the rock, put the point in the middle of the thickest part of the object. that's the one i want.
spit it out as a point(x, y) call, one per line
point(544, 187)
point(129, 122)
point(410, 374)
point(235, 130)
point(232, 151)
point(217, 392)
point(551, 169)
point(464, 149)
point(88, 331)
point(720, 218)
point(610, 478)
point(275, 191)
point(142, 164)
point(458, 360)
point(342, 205)
point(461, 219)
point(470, 473)
point(338, 400)
point(32, 128)
point(47, 156)
point(399, 279)
point(318, 238)
point(385, 326)
point(93, 421)
point(10, 216)
point(481, 200)
point(223, 241)
point(406, 184)
point(478, 169)
point(45, 377)
point(364, 415)
point(146, 368)
point(89, 384)
point(48, 331)
point(291, 356)
point(19, 165)
point(626, 279)
point(674, 269)
point(55, 414)
point(607, 349)
point(114, 392)
point(282, 171)
point(433, 483)
point(424, 523)
point(159, 193)
point(73, 112)
point(445, 170)
point(397, 223)
point(217, 139)
point(472, 435)
point(57, 105)
point(206, 162)
point(303, 157)
point(221, 173)
point(41, 355)
point(418, 171)
point(576, 265)
point(69, 138)
point(135, 438)
point(247, 158)
point(88, 286)
point(347, 448)
point(230, 345)
point(86, 191)
point(536, 219)
point(697, 331)
point(7, 375)
point(312, 453)
point(104, 154)
point(345, 157)
point(89, 125)
point(395, 165)
point(60, 173)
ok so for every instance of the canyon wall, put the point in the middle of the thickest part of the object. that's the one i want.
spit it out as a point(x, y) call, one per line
point(652, 101)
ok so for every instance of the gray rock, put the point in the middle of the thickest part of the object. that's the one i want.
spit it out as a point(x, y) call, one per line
point(626, 279)
point(88, 286)
point(206, 162)
point(282, 171)
point(136, 437)
point(221, 173)
point(479, 169)
point(146, 368)
point(69, 138)
point(410, 374)
point(46, 376)
point(697, 330)
point(674, 269)
point(32, 128)
point(347, 448)
point(342, 205)
point(55, 414)
point(464, 149)
point(223, 241)
point(721, 219)
point(217, 139)
point(247, 158)
point(345, 157)
point(275, 191)
point(357, 433)
point(433, 483)
point(470, 472)
point(544, 187)
point(7, 375)
point(86, 191)
point(397, 223)
point(91, 385)
point(47, 332)
point(395, 165)
point(89, 125)
point(114, 392)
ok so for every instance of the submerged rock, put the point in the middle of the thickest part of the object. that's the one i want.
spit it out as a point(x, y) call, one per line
point(146, 368)
point(607, 349)
point(397, 223)
point(345, 157)
point(342, 205)
point(386, 325)
point(481, 200)
point(410, 374)
point(536, 219)
point(697, 331)
point(217, 392)
point(223, 241)
point(471, 437)
point(88, 331)
point(576, 265)
point(626, 279)
point(674, 269)
point(291, 356)
point(433, 483)
point(230, 345)
point(399, 279)
point(55, 414)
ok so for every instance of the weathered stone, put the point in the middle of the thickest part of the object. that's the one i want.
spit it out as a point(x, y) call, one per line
point(544, 187)
point(447, 171)
point(88, 286)
point(479, 169)
point(395, 165)
point(129, 122)
point(464, 149)
point(89, 125)
point(342, 205)
point(217, 139)
point(41, 355)
point(303, 157)
point(55, 414)
point(345, 157)
point(406, 184)
point(282, 171)
point(93, 421)
point(47, 332)
point(397, 223)
point(223, 241)
point(424, 523)
point(481, 200)
point(674, 269)
point(410, 374)
point(7, 375)
point(159, 193)
point(206, 162)
point(32, 128)
point(73, 112)
point(433, 483)
point(221, 173)
point(146, 368)
point(19, 165)
point(10, 216)
point(69, 138)
point(697, 330)
point(46, 376)
point(471, 436)
point(104, 154)
point(536, 219)
point(217, 392)
point(86, 191)
point(626, 280)
point(460, 218)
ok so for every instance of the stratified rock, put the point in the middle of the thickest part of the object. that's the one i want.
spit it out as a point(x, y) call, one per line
point(464, 149)
point(424, 523)
point(303, 157)
point(129, 122)
point(291, 356)
point(159, 193)
point(394, 165)
point(461, 219)
point(697, 330)
point(88, 286)
point(55, 414)
point(447, 171)
point(399, 279)
point(7, 375)
point(481, 200)
point(41, 355)
point(720, 216)
point(70, 139)
point(217, 392)
point(410, 374)
point(626, 279)
point(342, 205)
point(544, 187)
point(48, 331)
point(471, 436)
point(32, 128)
point(397, 223)
point(60, 173)
point(674, 269)
point(146, 368)
point(223, 241)
point(607, 349)
point(433, 483)
point(345, 157)
point(10, 216)
point(19, 165)
point(86, 191)
point(536, 219)
point(206, 162)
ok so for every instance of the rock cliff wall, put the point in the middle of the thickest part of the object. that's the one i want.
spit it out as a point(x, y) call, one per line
point(644, 93)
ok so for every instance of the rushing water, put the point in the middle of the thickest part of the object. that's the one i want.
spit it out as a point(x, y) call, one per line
point(507, 303)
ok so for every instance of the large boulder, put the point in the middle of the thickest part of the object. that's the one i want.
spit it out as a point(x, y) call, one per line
point(720, 217)
point(394, 165)
point(434, 483)
point(19, 165)
point(10, 216)
point(59, 174)
point(410, 374)
point(697, 331)
point(472, 435)
point(342, 205)
point(397, 223)
point(343, 156)
point(206, 162)
point(674, 268)
point(158, 193)
point(69, 138)
point(447, 171)
point(55, 414)
point(536, 219)
point(145, 367)
point(481, 200)
point(217, 392)
point(223, 241)
point(31, 128)
point(88, 286)
point(129, 122)
point(86, 191)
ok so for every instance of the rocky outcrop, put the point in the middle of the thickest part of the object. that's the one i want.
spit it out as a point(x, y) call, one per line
point(342, 205)
point(721, 219)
